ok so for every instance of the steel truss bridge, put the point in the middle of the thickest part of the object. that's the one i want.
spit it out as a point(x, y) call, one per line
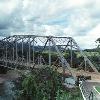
point(19, 50)
point(28, 51)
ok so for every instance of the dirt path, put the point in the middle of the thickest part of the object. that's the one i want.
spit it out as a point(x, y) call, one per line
point(95, 77)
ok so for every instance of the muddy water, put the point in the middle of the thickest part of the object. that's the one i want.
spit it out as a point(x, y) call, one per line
point(7, 91)
point(10, 83)
point(7, 86)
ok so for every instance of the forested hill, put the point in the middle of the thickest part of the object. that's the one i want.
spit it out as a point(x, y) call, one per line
point(91, 50)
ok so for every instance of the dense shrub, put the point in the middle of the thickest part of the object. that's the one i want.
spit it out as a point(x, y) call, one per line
point(46, 84)
point(41, 84)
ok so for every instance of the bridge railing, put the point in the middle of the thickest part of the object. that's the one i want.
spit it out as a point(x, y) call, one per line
point(94, 95)
point(83, 91)
point(87, 93)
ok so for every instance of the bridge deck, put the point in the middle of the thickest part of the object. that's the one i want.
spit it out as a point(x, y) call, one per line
point(88, 88)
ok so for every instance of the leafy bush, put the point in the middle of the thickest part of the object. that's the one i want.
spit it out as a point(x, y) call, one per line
point(41, 84)
point(45, 84)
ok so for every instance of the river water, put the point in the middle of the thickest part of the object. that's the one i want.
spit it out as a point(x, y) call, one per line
point(7, 91)
point(9, 84)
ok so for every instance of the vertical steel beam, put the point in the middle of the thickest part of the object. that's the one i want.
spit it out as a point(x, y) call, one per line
point(3, 55)
point(16, 50)
point(49, 52)
point(71, 55)
point(13, 53)
point(22, 50)
point(38, 59)
point(85, 63)
point(27, 58)
point(29, 50)
point(33, 49)
point(6, 55)
point(13, 50)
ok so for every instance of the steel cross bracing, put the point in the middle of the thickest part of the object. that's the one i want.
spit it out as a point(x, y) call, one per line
point(19, 50)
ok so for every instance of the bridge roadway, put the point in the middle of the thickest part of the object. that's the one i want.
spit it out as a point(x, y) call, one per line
point(87, 85)
point(87, 88)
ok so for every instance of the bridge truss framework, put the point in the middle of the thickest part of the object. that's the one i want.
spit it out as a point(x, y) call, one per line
point(10, 47)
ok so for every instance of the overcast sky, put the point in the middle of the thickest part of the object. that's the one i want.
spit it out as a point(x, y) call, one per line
point(77, 18)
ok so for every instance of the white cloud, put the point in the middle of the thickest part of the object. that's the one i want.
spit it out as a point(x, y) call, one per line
point(47, 9)
point(80, 19)
point(8, 6)
point(78, 15)
point(52, 17)
point(88, 41)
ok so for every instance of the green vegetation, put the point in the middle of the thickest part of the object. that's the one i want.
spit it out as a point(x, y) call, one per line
point(98, 89)
point(46, 84)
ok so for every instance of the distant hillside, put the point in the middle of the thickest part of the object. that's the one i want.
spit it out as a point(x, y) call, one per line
point(91, 50)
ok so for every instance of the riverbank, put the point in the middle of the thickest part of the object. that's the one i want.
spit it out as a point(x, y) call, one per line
point(10, 75)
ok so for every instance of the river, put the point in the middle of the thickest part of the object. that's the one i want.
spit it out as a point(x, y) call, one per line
point(8, 86)
point(7, 91)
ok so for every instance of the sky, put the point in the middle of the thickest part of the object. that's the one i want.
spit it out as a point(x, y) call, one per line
point(79, 19)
